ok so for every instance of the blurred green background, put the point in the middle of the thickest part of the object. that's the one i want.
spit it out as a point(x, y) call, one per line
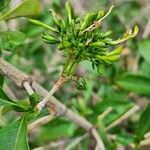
point(121, 86)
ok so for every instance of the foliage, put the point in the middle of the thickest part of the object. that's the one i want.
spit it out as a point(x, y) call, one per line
point(87, 45)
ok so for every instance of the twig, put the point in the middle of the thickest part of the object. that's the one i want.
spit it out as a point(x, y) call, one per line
point(147, 135)
point(75, 142)
point(9, 92)
point(28, 88)
point(53, 145)
point(58, 84)
point(99, 21)
point(123, 117)
point(59, 108)
point(40, 121)
point(105, 113)
point(145, 142)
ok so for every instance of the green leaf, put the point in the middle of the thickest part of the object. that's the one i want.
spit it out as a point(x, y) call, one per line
point(14, 136)
point(144, 49)
point(3, 4)
point(125, 138)
point(34, 99)
point(135, 83)
point(9, 40)
point(144, 123)
point(6, 101)
point(1, 80)
point(57, 128)
point(126, 36)
point(26, 9)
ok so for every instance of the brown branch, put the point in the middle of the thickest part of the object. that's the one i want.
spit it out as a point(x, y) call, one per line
point(56, 86)
point(40, 121)
point(59, 108)
point(126, 115)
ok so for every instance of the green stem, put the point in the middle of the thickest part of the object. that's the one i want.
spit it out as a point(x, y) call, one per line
point(136, 146)
point(70, 67)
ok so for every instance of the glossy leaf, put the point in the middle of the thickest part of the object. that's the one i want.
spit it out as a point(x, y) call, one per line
point(135, 83)
point(144, 49)
point(9, 40)
point(14, 136)
point(26, 9)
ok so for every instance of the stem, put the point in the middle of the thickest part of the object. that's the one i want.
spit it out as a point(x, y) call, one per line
point(41, 121)
point(56, 86)
point(28, 88)
point(60, 109)
point(126, 115)
point(70, 67)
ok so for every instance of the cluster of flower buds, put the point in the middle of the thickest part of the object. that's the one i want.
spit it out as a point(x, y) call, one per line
point(82, 38)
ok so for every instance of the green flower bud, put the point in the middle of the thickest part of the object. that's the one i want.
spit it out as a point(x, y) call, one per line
point(39, 23)
point(55, 18)
point(60, 46)
point(109, 58)
point(116, 51)
point(126, 36)
point(88, 18)
point(64, 44)
point(68, 11)
point(113, 58)
point(100, 68)
point(107, 40)
point(97, 44)
point(100, 14)
point(49, 38)
point(102, 35)
point(81, 84)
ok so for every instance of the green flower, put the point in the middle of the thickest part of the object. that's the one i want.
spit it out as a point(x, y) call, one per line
point(82, 38)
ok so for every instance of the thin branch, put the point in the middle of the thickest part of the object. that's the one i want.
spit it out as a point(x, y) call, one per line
point(28, 88)
point(56, 86)
point(75, 141)
point(145, 142)
point(59, 108)
point(90, 28)
point(147, 135)
point(105, 113)
point(40, 121)
point(123, 117)
point(9, 92)
point(53, 145)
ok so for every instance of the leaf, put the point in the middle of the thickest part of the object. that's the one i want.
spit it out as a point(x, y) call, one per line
point(135, 83)
point(57, 128)
point(144, 49)
point(3, 4)
point(14, 136)
point(1, 80)
point(125, 138)
point(6, 101)
point(144, 123)
point(129, 34)
point(26, 9)
point(9, 40)
point(34, 99)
